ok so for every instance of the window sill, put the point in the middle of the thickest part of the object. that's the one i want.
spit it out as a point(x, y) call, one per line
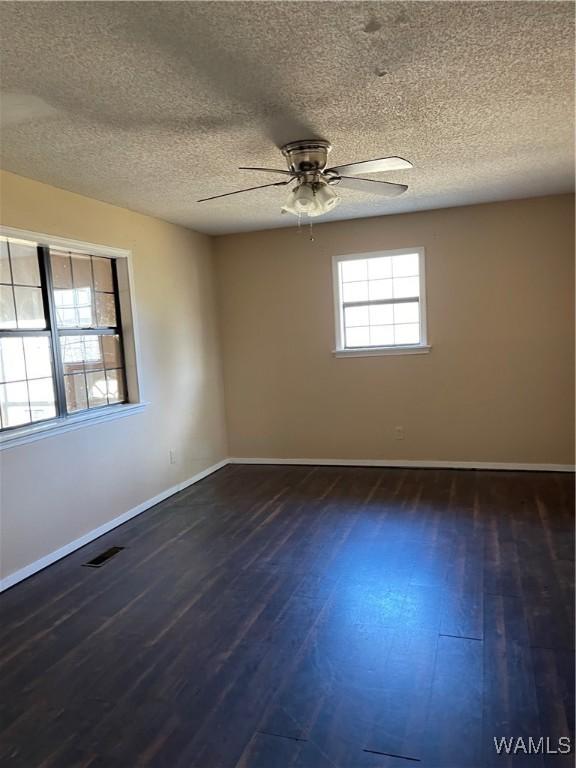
point(409, 349)
point(32, 432)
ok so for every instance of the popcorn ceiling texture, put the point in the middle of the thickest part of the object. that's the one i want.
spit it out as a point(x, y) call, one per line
point(153, 105)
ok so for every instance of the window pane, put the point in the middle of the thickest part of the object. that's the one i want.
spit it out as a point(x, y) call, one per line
point(115, 385)
point(381, 335)
point(353, 270)
point(76, 396)
point(407, 334)
point(61, 269)
point(405, 265)
point(381, 314)
point(24, 260)
point(358, 337)
point(81, 353)
point(379, 268)
point(82, 271)
point(105, 310)
point(14, 404)
point(7, 311)
point(355, 316)
point(42, 403)
point(97, 389)
point(5, 276)
point(93, 360)
point(111, 351)
point(380, 289)
point(102, 269)
point(406, 313)
point(12, 366)
point(72, 352)
point(66, 313)
point(84, 308)
point(38, 357)
point(355, 291)
point(406, 287)
point(74, 307)
point(29, 307)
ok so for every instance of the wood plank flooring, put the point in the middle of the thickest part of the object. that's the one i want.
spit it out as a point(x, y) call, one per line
point(303, 617)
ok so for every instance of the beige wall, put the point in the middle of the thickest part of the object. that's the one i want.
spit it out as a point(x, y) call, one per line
point(498, 385)
point(59, 488)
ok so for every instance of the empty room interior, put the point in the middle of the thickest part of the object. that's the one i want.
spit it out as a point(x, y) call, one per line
point(287, 384)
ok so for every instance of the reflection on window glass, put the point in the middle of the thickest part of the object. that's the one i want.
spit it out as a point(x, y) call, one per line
point(61, 269)
point(105, 310)
point(42, 403)
point(29, 307)
point(380, 300)
point(74, 307)
point(111, 351)
point(115, 386)
point(97, 389)
point(26, 386)
point(7, 309)
point(38, 357)
point(102, 270)
point(12, 366)
point(82, 271)
point(14, 404)
point(93, 370)
point(83, 290)
point(76, 395)
point(24, 261)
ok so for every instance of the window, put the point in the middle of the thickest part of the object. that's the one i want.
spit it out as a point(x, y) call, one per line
point(380, 302)
point(61, 341)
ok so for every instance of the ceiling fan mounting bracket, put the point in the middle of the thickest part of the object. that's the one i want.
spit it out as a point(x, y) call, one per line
point(306, 155)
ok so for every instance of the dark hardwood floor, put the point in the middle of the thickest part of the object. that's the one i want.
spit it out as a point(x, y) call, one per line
point(300, 617)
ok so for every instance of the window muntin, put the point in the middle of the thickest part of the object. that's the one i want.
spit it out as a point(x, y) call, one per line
point(60, 338)
point(380, 300)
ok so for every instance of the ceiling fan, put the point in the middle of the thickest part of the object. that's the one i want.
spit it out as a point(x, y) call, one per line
point(313, 193)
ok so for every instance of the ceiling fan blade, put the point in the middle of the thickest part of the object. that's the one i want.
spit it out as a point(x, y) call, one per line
point(266, 170)
point(373, 166)
point(373, 187)
point(250, 189)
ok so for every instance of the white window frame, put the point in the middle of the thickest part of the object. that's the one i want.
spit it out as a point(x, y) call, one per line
point(135, 402)
point(340, 349)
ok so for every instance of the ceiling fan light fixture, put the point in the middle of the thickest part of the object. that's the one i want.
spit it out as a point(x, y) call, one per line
point(326, 197)
point(311, 199)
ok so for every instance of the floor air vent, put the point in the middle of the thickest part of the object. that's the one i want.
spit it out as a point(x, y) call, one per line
point(103, 558)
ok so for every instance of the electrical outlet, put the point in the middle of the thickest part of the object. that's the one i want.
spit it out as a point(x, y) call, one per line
point(172, 456)
point(399, 433)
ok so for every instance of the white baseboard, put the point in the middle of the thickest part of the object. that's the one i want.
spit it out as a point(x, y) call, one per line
point(409, 463)
point(47, 560)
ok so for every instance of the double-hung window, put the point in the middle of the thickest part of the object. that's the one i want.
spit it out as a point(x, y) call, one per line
point(61, 341)
point(380, 304)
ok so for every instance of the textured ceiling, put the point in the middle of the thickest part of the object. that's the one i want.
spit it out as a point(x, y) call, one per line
point(153, 105)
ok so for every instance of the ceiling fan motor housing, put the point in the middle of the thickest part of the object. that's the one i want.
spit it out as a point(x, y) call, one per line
point(306, 157)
